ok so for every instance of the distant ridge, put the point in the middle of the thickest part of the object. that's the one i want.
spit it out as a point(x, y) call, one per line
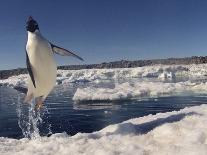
point(118, 64)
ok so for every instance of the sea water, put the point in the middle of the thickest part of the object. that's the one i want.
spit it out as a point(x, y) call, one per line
point(61, 114)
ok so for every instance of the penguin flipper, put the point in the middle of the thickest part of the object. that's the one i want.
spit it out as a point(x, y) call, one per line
point(29, 68)
point(64, 52)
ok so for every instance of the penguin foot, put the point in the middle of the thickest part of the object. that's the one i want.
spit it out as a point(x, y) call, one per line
point(38, 105)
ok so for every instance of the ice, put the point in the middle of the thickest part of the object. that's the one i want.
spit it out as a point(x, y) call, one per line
point(97, 75)
point(123, 73)
point(13, 81)
point(140, 89)
point(166, 75)
point(178, 132)
point(194, 70)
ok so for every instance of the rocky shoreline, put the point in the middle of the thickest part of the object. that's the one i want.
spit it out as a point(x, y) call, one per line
point(117, 64)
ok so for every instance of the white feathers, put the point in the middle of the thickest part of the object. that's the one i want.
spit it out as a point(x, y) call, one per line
point(43, 65)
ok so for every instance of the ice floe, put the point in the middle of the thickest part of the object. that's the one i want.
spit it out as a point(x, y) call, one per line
point(178, 132)
point(140, 89)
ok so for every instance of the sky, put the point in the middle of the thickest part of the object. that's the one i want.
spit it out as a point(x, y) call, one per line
point(106, 30)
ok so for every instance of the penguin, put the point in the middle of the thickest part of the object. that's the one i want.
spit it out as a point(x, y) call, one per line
point(41, 65)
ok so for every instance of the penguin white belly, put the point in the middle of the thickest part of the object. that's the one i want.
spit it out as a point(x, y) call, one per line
point(43, 65)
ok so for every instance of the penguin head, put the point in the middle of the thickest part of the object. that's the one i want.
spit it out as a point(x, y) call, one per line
point(32, 25)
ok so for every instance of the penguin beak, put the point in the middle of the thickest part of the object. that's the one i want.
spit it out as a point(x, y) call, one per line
point(31, 25)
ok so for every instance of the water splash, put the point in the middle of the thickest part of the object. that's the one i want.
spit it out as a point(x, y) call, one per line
point(30, 119)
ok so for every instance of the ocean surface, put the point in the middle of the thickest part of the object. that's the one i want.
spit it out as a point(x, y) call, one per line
point(61, 114)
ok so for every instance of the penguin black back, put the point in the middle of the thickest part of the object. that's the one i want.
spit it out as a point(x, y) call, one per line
point(32, 25)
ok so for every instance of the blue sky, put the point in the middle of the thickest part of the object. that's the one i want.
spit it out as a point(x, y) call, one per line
point(106, 30)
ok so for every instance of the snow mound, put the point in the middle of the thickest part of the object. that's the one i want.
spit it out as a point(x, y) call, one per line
point(137, 90)
point(182, 132)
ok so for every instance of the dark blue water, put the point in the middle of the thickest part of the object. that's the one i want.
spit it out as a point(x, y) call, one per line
point(61, 114)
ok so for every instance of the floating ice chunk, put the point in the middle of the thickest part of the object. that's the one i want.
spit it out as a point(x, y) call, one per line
point(136, 90)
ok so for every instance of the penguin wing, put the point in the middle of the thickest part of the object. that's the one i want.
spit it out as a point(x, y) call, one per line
point(64, 52)
point(29, 68)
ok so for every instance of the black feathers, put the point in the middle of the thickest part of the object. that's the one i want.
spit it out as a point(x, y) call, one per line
point(64, 52)
point(32, 25)
point(29, 68)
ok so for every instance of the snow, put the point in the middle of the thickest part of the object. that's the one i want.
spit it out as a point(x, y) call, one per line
point(94, 75)
point(13, 81)
point(139, 90)
point(178, 132)
point(166, 75)
point(171, 71)
point(123, 73)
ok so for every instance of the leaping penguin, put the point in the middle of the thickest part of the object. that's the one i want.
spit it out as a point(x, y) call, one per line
point(41, 65)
